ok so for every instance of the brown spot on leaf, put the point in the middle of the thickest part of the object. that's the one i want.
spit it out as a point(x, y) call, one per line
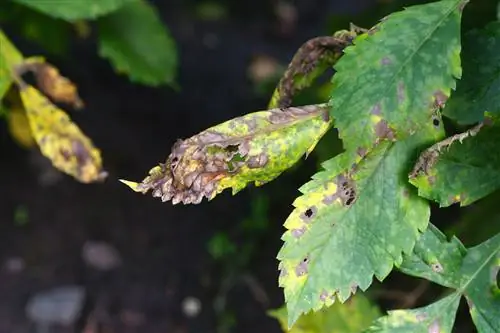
point(301, 268)
point(297, 233)
point(385, 61)
point(440, 99)
point(437, 267)
point(434, 327)
point(323, 296)
point(309, 214)
point(383, 131)
point(431, 180)
point(421, 317)
point(376, 110)
point(283, 272)
point(361, 151)
point(436, 121)
point(258, 161)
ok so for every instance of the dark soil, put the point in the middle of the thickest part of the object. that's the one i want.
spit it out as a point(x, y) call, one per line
point(163, 247)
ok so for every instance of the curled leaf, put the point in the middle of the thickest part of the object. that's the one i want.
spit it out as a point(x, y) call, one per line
point(256, 147)
point(51, 82)
point(60, 139)
point(19, 127)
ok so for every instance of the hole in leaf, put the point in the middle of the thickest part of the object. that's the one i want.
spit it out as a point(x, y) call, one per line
point(309, 213)
point(496, 276)
point(435, 122)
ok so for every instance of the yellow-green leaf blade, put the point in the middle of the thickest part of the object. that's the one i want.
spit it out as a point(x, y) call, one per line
point(354, 221)
point(9, 57)
point(388, 82)
point(353, 316)
point(138, 44)
point(438, 317)
point(256, 147)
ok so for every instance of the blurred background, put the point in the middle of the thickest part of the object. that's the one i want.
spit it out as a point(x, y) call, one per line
point(124, 262)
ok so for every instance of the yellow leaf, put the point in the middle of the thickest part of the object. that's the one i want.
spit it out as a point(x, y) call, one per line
point(60, 139)
point(19, 127)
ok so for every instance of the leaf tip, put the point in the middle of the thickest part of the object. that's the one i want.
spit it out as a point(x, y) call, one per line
point(133, 185)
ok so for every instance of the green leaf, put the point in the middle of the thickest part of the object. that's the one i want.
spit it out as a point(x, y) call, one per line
point(479, 89)
point(480, 284)
point(437, 317)
point(138, 44)
point(388, 83)
point(9, 57)
point(354, 220)
point(462, 172)
point(72, 10)
point(435, 259)
point(351, 317)
point(256, 147)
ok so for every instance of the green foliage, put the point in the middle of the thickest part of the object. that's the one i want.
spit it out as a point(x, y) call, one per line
point(9, 57)
point(387, 83)
point(75, 9)
point(130, 35)
point(479, 90)
point(135, 41)
point(352, 317)
point(367, 212)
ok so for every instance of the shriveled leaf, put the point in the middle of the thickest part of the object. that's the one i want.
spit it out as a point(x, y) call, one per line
point(60, 139)
point(463, 169)
point(19, 127)
point(479, 89)
point(309, 62)
point(355, 220)
point(353, 316)
point(479, 273)
point(388, 83)
point(256, 147)
point(435, 258)
point(138, 44)
point(72, 10)
point(435, 318)
point(9, 57)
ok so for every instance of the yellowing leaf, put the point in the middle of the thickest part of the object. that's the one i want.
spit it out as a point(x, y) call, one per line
point(256, 147)
point(9, 56)
point(353, 316)
point(19, 127)
point(60, 139)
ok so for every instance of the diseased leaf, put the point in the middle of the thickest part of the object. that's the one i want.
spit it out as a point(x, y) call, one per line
point(464, 168)
point(138, 44)
point(435, 318)
point(51, 82)
point(60, 139)
point(309, 62)
point(389, 82)
point(9, 57)
point(72, 10)
point(479, 89)
point(19, 127)
point(435, 259)
point(353, 316)
point(479, 273)
point(256, 147)
point(354, 220)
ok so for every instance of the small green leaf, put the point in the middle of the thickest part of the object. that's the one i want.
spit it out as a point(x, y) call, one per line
point(389, 82)
point(9, 57)
point(438, 317)
point(256, 147)
point(435, 259)
point(353, 316)
point(479, 272)
point(479, 89)
point(138, 44)
point(463, 172)
point(72, 10)
point(354, 220)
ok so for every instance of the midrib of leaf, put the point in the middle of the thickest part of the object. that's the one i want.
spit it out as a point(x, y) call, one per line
point(321, 246)
point(414, 52)
point(462, 288)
